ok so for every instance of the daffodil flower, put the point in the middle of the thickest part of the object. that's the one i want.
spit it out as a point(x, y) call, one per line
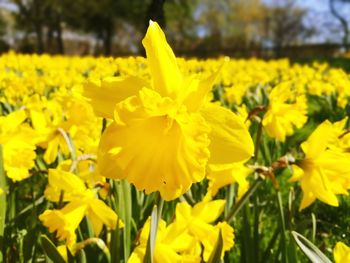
point(197, 221)
point(172, 245)
point(82, 202)
point(287, 110)
point(325, 171)
point(164, 133)
point(18, 140)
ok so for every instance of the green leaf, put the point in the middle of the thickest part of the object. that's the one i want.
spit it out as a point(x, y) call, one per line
point(124, 212)
point(310, 250)
point(215, 256)
point(314, 225)
point(152, 236)
point(51, 250)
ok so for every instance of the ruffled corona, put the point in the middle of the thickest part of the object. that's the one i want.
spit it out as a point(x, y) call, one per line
point(168, 149)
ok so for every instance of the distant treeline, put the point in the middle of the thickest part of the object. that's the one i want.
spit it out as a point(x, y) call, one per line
point(200, 28)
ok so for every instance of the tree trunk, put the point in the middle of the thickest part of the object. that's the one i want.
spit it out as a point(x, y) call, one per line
point(107, 38)
point(49, 37)
point(39, 38)
point(38, 25)
point(343, 23)
point(59, 39)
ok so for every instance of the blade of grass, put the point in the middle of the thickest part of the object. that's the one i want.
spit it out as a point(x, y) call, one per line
point(309, 249)
point(2, 203)
point(245, 198)
point(256, 237)
point(271, 244)
point(247, 242)
point(51, 250)
point(283, 226)
point(313, 237)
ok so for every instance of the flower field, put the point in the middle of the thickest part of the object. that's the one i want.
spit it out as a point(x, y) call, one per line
point(165, 159)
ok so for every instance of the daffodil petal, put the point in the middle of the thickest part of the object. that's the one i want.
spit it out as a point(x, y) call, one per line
point(166, 75)
point(298, 173)
point(318, 140)
point(103, 95)
point(228, 174)
point(69, 183)
point(317, 185)
point(230, 140)
point(209, 211)
point(106, 164)
point(307, 200)
point(341, 253)
point(198, 91)
point(101, 214)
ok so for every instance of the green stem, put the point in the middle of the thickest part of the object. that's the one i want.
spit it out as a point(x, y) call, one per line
point(283, 226)
point(257, 140)
point(245, 198)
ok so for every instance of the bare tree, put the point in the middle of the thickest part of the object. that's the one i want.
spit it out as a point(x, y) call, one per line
point(285, 26)
point(344, 23)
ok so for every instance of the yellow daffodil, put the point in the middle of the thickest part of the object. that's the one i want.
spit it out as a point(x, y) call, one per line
point(341, 253)
point(65, 221)
point(172, 245)
point(228, 240)
point(197, 221)
point(18, 140)
point(325, 171)
point(283, 116)
point(82, 201)
point(85, 168)
point(165, 132)
point(55, 120)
